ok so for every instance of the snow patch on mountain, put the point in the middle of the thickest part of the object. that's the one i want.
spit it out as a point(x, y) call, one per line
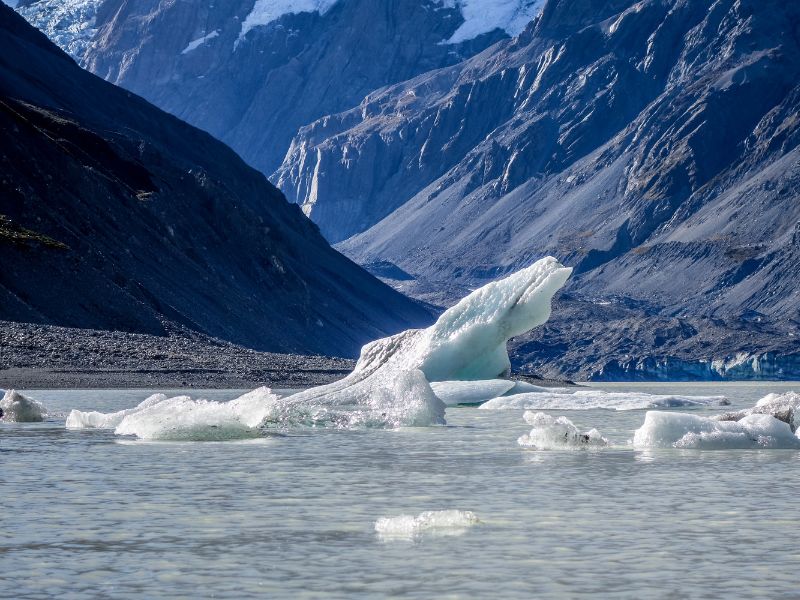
point(195, 44)
point(266, 11)
point(483, 16)
point(70, 24)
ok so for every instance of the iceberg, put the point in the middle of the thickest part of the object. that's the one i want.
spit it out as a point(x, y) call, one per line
point(96, 420)
point(771, 423)
point(389, 386)
point(468, 341)
point(16, 408)
point(784, 407)
point(558, 433)
point(680, 430)
point(184, 419)
point(561, 399)
point(442, 522)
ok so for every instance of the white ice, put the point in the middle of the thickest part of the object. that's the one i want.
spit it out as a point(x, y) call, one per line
point(565, 399)
point(785, 407)
point(265, 12)
point(470, 392)
point(483, 16)
point(17, 408)
point(441, 522)
point(468, 341)
point(680, 430)
point(183, 418)
point(389, 386)
point(558, 433)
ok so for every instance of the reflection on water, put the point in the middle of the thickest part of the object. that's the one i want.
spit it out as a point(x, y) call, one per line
point(89, 514)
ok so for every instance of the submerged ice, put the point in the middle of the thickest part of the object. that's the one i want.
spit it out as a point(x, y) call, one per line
point(16, 408)
point(442, 522)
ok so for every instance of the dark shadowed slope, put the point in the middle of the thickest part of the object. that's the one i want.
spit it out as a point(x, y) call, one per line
point(651, 144)
point(116, 215)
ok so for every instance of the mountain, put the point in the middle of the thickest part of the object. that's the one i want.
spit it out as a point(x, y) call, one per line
point(652, 144)
point(252, 72)
point(116, 215)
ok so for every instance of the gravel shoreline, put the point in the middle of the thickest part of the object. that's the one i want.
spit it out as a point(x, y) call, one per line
point(43, 356)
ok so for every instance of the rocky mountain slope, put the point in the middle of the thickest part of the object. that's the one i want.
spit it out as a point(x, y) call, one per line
point(252, 72)
point(652, 144)
point(116, 215)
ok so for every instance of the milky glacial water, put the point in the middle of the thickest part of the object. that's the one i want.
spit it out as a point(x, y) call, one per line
point(87, 514)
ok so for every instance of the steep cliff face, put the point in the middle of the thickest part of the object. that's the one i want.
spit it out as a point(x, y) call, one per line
point(252, 72)
point(651, 144)
point(116, 215)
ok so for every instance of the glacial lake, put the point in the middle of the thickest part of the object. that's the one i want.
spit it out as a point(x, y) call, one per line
point(87, 514)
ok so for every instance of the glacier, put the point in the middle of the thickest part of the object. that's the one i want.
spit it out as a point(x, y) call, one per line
point(483, 16)
point(68, 23)
point(265, 12)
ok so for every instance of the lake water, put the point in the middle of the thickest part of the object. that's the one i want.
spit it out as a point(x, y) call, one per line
point(87, 514)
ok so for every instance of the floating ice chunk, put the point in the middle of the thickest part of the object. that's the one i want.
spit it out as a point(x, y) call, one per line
point(784, 407)
point(562, 399)
point(442, 522)
point(96, 420)
point(385, 399)
point(468, 341)
point(183, 418)
point(680, 430)
point(16, 408)
point(470, 392)
point(558, 433)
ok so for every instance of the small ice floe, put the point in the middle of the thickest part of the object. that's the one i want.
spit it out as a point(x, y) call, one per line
point(435, 522)
point(185, 419)
point(784, 407)
point(558, 433)
point(680, 430)
point(16, 408)
point(561, 399)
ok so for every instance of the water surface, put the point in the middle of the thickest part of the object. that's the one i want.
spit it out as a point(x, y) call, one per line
point(87, 514)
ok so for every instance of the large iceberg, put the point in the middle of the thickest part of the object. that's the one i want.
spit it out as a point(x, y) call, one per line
point(390, 386)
